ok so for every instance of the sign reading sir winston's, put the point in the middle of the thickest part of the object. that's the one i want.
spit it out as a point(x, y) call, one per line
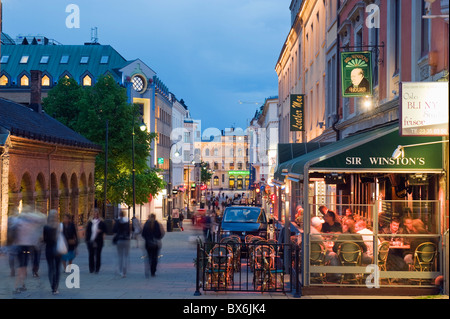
point(297, 112)
point(356, 73)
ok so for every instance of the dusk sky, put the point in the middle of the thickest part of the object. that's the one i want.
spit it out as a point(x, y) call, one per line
point(211, 53)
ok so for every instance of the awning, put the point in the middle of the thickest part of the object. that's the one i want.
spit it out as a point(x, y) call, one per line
point(369, 151)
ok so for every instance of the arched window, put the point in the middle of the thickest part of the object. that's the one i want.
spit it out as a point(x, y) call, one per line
point(216, 181)
point(231, 182)
point(216, 152)
point(24, 80)
point(240, 184)
point(207, 152)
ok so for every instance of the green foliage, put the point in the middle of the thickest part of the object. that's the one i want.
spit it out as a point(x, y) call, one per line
point(206, 172)
point(86, 110)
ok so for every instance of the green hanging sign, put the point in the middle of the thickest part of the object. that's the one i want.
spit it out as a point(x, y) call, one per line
point(356, 74)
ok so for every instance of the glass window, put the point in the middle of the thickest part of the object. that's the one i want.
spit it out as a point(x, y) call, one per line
point(45, 81)
point(24, 59)
point(104, 59)
point(44, 59)
point(4, 59)
point(64, 59)
point(87, 81)
point(4, 80)
point(24, 81)
point(216, 180)
point(84, 60)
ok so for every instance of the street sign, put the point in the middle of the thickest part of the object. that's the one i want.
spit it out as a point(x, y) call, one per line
point(160, 160)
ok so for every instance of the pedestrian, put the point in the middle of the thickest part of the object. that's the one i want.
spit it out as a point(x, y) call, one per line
point(95, 231)
point(152, 233)
point(71, 235)
point(27, 228)
point(50, 236)
point(122, 240)
point(136, 228)
point(180, 220)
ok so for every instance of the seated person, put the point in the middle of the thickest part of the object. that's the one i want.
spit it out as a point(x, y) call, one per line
point(407, 229)
point(367, 235)
point(348, 215)
point(419, 228)
point(350, 234)
point(395, 260)
point(331, 225)
point(393, 229)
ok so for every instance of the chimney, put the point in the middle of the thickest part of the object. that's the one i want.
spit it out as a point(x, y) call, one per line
point(35, 96)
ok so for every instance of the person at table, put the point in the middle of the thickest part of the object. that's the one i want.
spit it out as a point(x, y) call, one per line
point(348, 215)
point(367, 235)
point(323, 211)
point(331, 225)
point(407, 229)
point(418, 227)
point(316, 237)
point(393, 229)
point(350, 235)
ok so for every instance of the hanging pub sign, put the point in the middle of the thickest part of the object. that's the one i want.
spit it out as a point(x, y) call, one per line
point(424, 108)
point(356, 73)
point(297, 110)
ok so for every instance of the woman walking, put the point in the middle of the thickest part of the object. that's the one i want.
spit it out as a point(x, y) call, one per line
point(70, 232)
point(122, 240)
point(152, 233)
point(95, 231)
point(51, 231)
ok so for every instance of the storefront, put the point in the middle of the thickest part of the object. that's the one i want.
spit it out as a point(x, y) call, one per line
point(359, 173)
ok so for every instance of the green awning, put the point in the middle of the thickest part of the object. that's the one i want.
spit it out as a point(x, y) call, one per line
point(369, 151)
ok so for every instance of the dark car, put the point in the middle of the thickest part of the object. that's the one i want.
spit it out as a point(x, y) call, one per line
point(243, 221)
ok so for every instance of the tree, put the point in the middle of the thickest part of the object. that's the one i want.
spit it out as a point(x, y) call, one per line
point(90, 107)
point(205, 172)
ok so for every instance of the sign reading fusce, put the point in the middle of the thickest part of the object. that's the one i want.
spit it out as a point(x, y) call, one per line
point(297, 110)
point(424, 108)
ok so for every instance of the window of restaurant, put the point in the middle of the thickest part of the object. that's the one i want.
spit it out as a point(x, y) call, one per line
point(391, 227)
point(240, 184)
point(231, 182)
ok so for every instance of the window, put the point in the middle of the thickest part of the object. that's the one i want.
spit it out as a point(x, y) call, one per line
point(45, 80)
point(64, 59)
point(87, 81)
point(207, 152)
point(425, 31)
point(4, 59)
point(84, 60)
point(24, 59)
point(24, 81)
point(44, 59)
point(4, 80)
point(104, 59)
point(216, 181)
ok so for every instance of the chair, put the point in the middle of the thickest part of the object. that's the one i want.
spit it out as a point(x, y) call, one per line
point(383, 251)
point(424, 257)
point(317, 258)
point(235, 243)
point(350, 254)
point(261, 265)
point(219, 269)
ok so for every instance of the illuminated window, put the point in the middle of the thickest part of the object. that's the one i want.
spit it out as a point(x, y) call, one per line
point(24, 59)
point(44, 59)
point(24, 81)
point(87, 81)
point(45, 81)
point(216, 180)
point(4, 80)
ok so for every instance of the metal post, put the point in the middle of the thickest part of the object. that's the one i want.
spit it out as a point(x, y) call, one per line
point(106, 170)
point(197, 272)
point(134, 179)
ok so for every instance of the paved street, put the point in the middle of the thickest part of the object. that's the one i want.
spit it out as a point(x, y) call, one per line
point(175, 278)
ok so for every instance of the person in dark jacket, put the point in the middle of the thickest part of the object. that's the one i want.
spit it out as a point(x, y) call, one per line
point(95, 231)
point(70, 232)
point(152, 234)
point(122, 240)
point(51, 231)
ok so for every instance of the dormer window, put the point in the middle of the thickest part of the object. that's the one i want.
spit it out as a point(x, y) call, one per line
point(87, 81)
point(24, 81)
point(45, 80)
point(4, 80)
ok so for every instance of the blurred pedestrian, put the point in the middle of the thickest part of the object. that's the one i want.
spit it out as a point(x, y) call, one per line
point(71, 235)
point(180, 220)
point(152, 232)
point(27, 228)
point(122, 239)
point(136, 229)
point(51, 232)
point(95, 232)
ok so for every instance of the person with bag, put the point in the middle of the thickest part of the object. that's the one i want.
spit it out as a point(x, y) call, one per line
point(70, 233)
point(152, 233)
point(51, 236)
point(95, 231)
point(122, 240)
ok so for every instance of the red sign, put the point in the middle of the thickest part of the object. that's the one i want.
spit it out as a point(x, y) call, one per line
point(203, 187)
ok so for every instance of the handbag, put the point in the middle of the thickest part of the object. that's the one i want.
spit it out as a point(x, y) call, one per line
point(61, 242)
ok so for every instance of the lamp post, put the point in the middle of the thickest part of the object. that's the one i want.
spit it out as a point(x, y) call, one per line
point(142, 127)
point(170, 192)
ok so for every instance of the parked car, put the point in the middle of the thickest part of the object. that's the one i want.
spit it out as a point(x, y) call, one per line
point(243, 221)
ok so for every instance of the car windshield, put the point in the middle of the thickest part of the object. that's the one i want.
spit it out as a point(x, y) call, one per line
point(242, 215)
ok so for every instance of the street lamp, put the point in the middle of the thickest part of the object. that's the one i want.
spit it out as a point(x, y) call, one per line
point(400, 150)
point(170, 191)
point(142, 127)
